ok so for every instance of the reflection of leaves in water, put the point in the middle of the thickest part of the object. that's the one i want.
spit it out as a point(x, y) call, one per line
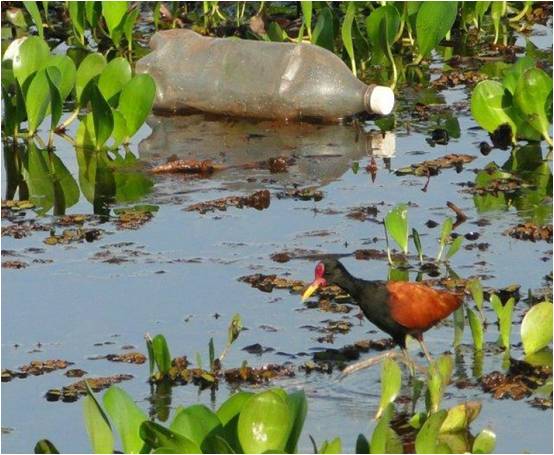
point(49, 182)
point(531, 198)
point(105, 178)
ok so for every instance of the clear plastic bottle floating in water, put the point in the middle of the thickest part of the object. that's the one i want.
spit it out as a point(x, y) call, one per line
point(257, 79)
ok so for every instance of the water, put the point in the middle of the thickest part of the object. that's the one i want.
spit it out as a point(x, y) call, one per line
point(76, 301)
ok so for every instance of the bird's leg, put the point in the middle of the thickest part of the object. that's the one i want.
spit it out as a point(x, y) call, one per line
point(363, 364)
point(410, 363)
point(425, 350)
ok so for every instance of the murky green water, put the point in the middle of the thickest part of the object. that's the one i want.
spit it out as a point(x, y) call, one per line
point(180, 269)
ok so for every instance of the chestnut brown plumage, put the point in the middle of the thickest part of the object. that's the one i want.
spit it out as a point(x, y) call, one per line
point(398, 308)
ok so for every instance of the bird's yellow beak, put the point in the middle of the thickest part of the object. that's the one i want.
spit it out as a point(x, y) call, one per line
point(317, 283)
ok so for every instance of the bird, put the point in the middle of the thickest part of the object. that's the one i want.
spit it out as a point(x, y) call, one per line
point(399, 308)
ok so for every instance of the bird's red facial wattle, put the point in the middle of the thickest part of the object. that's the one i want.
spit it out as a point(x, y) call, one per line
point(318, 282)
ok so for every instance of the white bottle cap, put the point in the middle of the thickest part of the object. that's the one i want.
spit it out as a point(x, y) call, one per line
point(381, 100)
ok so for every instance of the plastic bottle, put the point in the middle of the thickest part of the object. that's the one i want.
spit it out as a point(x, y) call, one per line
point(256, 79)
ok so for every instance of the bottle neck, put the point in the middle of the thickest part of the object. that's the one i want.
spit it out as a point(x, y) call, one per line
point(367, 98)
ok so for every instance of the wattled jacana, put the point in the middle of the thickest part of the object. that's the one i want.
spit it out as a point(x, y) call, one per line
point(398, 308)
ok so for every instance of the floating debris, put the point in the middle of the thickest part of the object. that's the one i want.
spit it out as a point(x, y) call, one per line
point(531, 231)
point(303, 194)
point(16, 206)
point(128, 357)
point(74, 235)
point(134, 217)
point(432, 167)
point(78, 389)
point(75, 373)
point(258, 375)
point(368, 213)
point(14, 264)
point(35, 368)
point(259, 200)
point(203, 167)
point(23, 229)
point(257, 349)
point(267, 283)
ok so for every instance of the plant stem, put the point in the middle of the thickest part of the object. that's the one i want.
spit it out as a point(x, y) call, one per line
point(68, 120)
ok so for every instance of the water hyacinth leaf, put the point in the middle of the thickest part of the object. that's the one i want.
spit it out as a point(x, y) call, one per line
point(126, 417)
point(335, 446)
point(161, 354)
point(434, 20)
point(32, 9)
point(113, 13)
point(346, 33)
point(234, 329)
point(324, 30)
point(362, 444)
point(119, 132)
point(460, 417)
point(90, 67)
point(396, 224)
point(196, 423)
point(454, 246)
point(476, 326)
point(77, 15)
point(298, 407)
point(446, 230)
point(228, 414)
point(536, 328)
point(445, 366)
point(129, 23)
point(504, 314)
point(459, 324)
point(45, 446)
point(384, 439)
point(93, 11)
point(113, 78)
point(29, 56)
point(391, 381)
point(36, 173)
point(68, 73)
point(55, 97)
point(37, 100)
point(157, 437)
point(476, 290)
point(307, 16)
point(97, 425)
point(264, 423)
point(276, 33)
point(102, 117)
point(427, 440)
point(66, 190)
point(490, 106)
point(417, 243)
point(16, 17)
point(533, 88)
point(136, 100)
point(511, 77)
point(498, 10)
point(485, 442)
point(381, 42)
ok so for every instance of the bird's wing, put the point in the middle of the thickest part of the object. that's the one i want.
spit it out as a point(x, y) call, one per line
point(419, 307)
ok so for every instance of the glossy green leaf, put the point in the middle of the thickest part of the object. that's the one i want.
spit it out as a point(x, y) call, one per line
point(126, 417)
point(427, 440)
point(264, 423)
point(396, 224)
point(459, 324)
point(335, 446)
point(477, 293)
point(307, 15)
point(93, 11)
point(477, 331)
point(454, 246)
point(434, 20)
point(90, 67)
point(29, 56)
point(235, 327)
point(504, 315)
point(460, 417)
point(97, 425)
point(485, 442)
point(511, 77)
point(536, 328)
point(490, 106)
point(32, 8)
point(113, 13)
point(196, 423)
point(37, 100)
point(68, 73)
point(77, 15)
point(381, 42)
point(384, 439)
point(102, 117)
point(391, 381)
point(346, 33)
point(533, 92)
point(136, 100)
point(417, 243)
point(298, 408)
point(45, 446)
point(159, 437)
point(276, 33)
point(119, 132)
point(324, 30)
point(53, 75)
point(228, 414)
point(446, 230)
point(129, 21)
point(113, 78)
point(498, 10)
point(161, 353)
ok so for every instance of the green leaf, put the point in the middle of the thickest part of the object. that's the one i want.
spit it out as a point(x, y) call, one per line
point(28, 57)
point(476, 326)
point(417, 243)
point(511, 77)
point(460, 417)
point(77, 14)
point(490, 106)
point(381, 42)
point(396, 224)
point(276, 33)
point(434, 20)
point(533, 90)
point(477, 293)
point(335, 446)
point(93, 11)
point(362, 444)
point(298, 407)
point(346, 33)
point(384, 439)
point(504, 314)
point(113, 78)
point(454, 246)
point(126, 417)
point(68, 72)
point(459, 323)
point(159, 437)
point(161, 354)
point(196, 423)
point(228, 414)
point(307, 15)
point(102, 117)
point(427, 440)
point(113, 13)
point(485, 442)
point(446, 230)
point(235, 326)
point(45, 446)
point(32, 8)
point(129, 23)
point(37, 100)
point(90, 67)
point(97, 425)
point(55, 96)
point(324, 30)
point(391, 381)
point(264, 423)
point(136, 100)
point(119, 132)
point(536, 328)
point(16, 17)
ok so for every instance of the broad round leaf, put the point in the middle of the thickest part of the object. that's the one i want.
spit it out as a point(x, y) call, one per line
point(434, 20)
point(37, 99)
point(126, 417)
point(30, 56)
point(536, 328)
point(158, 437)
point(136, 100)
point(196, 423)
point(102, 117)
point(427, 438)
point(391, 381)
point(396, 224)
point(490, 106)
point(379, 41)
point(264, 423)
point(113, 12)
point(67, 71)
point(460, 417)
point(54, 75)
point(114, 77)
point(514, 73)
point(298, 406)
point(90, 67)
point(484, 442)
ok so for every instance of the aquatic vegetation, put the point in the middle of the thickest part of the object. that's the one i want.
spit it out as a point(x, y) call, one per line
point(536, 328)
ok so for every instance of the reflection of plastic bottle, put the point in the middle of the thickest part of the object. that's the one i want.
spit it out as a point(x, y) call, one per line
point(256, 78)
